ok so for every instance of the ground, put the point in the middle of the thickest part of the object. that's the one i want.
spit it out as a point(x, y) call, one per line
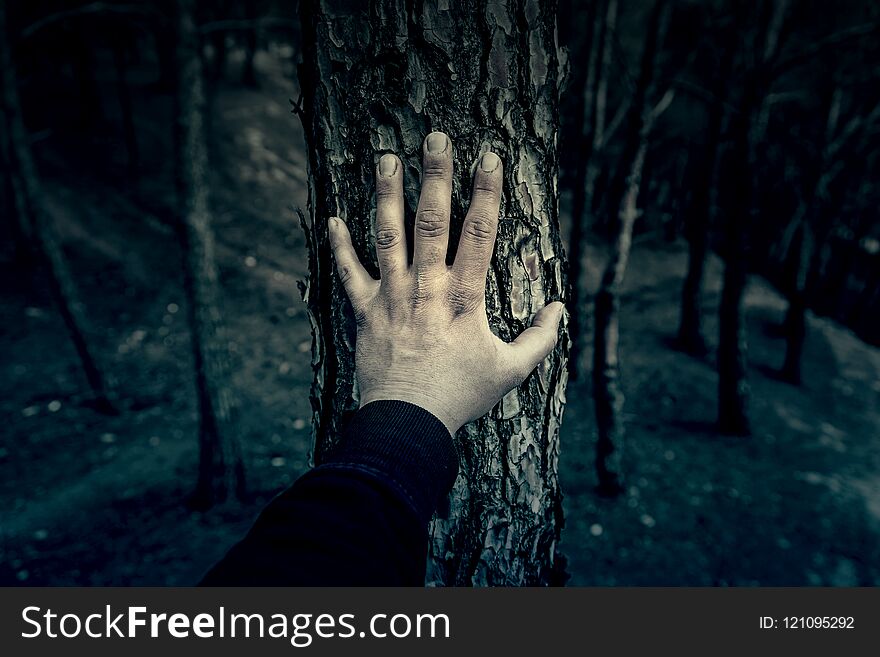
point(96, 500)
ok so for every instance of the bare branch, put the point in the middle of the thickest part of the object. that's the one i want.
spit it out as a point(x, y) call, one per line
point(816, 47)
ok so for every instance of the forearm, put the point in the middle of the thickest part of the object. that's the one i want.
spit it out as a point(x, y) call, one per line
point(361, 517)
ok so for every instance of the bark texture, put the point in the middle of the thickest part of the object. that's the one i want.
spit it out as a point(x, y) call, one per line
point(33, 223)
point(377, 78)
point(221, 471)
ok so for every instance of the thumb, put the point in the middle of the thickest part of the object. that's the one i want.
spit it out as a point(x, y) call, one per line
point(533, 344)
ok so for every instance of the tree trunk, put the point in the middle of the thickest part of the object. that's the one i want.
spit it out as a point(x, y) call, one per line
point(594, 104)
point(592, 140)
point(34, 223)
point(795, 328)
point(795, 271)
point(486, 74)
point(221, 471)
point(700, 211)
point(607, 394)
point(733, 388)
point(126, 110)
point(248, 72)
point(748, 128)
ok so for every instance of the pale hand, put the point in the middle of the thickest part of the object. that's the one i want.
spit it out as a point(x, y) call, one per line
point(422, 332)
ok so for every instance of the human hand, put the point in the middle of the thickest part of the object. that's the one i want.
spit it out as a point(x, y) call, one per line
point(422, 332)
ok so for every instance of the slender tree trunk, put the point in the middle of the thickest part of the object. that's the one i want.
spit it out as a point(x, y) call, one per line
point(607, 393)
point(812, 226)
point(221, 471)
point(218, 60)
point(748, 130)
point(795, 328)
point(33, 221)
point(733, 389)
point(83, 65)
point(589, 166)
point(248, 72)
point(123, 96)
point(487, 74)
point(700, 212)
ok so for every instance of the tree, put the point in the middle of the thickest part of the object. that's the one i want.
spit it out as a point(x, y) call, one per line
point(607, 394)
point(814, 220)
point(700, 209)
point(747, 131)
point(221, 470)
point(487, 74)
point(32, 222)
point(592, 139)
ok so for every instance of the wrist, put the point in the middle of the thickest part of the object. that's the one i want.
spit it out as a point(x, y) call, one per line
point(407, 447)
point(419, 398)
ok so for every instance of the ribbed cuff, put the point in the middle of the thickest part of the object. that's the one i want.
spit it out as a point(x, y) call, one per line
point(404, 444)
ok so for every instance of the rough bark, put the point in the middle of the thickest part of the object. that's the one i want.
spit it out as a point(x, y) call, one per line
point(377, 80)
point(747, 133)
point(592, 140)
point(34, 223)
point(221, 472)
point(607, 393)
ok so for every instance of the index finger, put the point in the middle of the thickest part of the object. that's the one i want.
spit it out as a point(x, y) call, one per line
point(480, 227)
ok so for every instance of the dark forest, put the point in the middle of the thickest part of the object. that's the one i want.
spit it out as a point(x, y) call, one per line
point(697, 181)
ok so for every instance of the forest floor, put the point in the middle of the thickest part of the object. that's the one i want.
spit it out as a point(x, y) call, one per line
point(94, 499)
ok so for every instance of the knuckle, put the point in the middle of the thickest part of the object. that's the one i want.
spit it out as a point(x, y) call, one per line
point(486, 188)
point(431, 222)
point(386, 190)
point(436, 167)
point(480, 226)
point(345, 273)
point(419, 298)
point(387, 238)
point(360, 315)
point(463, 301)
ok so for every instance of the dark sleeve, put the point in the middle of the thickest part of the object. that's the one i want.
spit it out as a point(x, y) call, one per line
point(361, 517)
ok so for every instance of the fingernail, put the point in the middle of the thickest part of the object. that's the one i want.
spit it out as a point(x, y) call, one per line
point(334, 224)
point(437, 142)
point(387, 165)
point(489, 162)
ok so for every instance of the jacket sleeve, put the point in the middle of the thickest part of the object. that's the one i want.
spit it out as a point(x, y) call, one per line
point(361, 517)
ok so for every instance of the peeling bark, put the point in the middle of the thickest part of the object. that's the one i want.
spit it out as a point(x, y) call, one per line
point(221, 471)
point(377, 79)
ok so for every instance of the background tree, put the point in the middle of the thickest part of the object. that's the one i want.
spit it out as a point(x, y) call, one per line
point(33, 224)
point(700, 209)
point(747, 131)
point(221, 470)
point(839, 145)
point(378, 81)
point(591, 111)
point(607, 393)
